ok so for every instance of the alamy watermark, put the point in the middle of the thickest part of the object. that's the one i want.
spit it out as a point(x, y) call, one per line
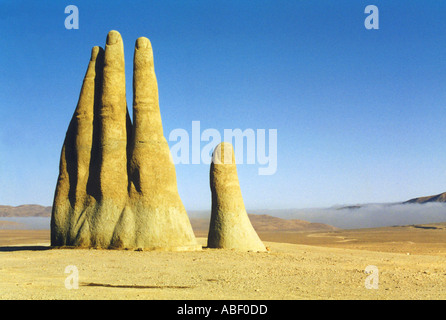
point(72, 281)
point(250, 146)
point(72, 20)
point(372, 20)
point(372, 280)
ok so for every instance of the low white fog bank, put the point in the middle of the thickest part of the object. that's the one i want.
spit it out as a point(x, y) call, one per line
point(367, 216)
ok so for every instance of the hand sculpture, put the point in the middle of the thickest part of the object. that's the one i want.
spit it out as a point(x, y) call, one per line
point(230, 227)
point(117, 183)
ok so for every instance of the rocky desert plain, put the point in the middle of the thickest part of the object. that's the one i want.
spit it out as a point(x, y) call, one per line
point(317, 263)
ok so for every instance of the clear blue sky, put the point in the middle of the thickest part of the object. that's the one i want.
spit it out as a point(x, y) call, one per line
point(360, 114)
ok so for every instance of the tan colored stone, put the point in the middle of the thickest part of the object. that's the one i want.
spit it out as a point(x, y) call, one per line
point(162, 218)
point(71, 195)
point(117, 184)
point(112, 117)
point(230, 227)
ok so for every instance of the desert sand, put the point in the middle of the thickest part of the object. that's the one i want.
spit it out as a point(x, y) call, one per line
point(325, 265)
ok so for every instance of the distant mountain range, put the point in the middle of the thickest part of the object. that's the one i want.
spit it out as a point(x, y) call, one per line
point(262, 221)
point(27, 210)
point(267, 223)
point(420, 200)
point(437, 198)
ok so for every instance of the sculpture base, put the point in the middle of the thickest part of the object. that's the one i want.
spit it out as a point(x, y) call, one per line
point(167, 249)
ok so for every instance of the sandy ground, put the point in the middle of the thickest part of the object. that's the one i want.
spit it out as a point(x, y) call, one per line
point(29, 269)
point(416, 239)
